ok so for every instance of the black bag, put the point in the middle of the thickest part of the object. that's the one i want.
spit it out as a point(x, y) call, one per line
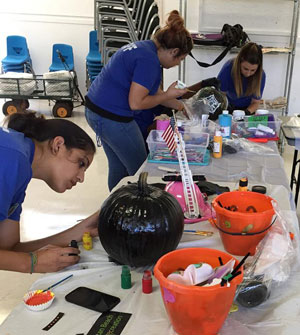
point(232, 36)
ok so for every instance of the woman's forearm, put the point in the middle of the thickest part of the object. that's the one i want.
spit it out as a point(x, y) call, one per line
point(252, 108)
point(15, 261)
point(63, 238)
point(174, 103)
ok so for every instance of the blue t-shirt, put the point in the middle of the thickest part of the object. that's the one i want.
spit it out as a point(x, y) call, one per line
point(227, 86)
point(16, 156)
point(136, 62)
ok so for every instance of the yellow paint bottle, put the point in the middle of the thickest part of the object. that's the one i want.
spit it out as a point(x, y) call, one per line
point(87, 241)
point(217, 149)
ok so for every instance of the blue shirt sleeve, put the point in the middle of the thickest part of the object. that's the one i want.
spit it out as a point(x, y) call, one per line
point(14, 178)
point(147, 74)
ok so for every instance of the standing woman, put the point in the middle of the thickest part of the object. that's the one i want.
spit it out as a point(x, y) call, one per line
point(57, 152)
point(131, 82)
point(243, 79)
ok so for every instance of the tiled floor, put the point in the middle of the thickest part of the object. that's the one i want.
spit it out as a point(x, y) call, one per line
point(46, 212)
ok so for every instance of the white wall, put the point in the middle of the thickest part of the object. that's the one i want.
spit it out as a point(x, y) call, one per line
point(267, 22)
point(45, 22)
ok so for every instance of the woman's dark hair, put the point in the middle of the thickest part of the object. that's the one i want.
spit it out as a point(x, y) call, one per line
point(251, 53)
point(175, 35)
point(41, 129)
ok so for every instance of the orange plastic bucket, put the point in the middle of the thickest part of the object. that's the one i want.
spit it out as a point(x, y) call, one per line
point(195, 310)
point(243, 219)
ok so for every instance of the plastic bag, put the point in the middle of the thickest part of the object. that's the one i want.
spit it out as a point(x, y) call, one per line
point(253, 147)
point(207, 101)
point(273, 261)
point(276, 251)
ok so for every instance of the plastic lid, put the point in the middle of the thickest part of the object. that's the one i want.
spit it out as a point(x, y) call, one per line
point(225, 111)
point(218, 133)
point(238, 112)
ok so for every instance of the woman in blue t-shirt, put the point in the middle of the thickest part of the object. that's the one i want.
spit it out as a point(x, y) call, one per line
point(243, 79)
point(130, 82)
point(58, 152)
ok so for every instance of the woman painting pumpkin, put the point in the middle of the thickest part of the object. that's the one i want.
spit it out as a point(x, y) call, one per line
point(58, 152)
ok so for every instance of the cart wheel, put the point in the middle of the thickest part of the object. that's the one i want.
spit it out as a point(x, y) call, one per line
point(10, 107)
point(70, 102)
point(62, 109)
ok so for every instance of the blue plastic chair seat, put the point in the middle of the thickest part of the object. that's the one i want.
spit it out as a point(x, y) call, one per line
point(17, 51)
point(15, 60)
point(94, 66)
point(93, 56)
point(67, 53)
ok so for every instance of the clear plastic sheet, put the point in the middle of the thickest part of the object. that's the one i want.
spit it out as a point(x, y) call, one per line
point(242, 144)
point(272, 263)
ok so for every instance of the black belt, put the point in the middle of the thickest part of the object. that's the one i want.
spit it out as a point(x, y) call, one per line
point(108, 115)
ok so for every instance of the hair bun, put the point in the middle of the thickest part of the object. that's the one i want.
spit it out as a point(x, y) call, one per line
point(175, 21)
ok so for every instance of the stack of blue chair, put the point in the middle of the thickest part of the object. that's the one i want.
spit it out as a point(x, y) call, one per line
point(62, 58)
point(18, 57)
point(93, 59)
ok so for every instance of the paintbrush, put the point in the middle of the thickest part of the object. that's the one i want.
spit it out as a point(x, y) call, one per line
point(198, 232)
point(47, 289)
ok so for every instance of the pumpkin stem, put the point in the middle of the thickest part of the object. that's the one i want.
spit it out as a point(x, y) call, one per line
point(142, 183)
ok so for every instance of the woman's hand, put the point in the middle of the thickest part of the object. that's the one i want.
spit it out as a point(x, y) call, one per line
point(52, 258)
point(173, 92)
point(90, 225)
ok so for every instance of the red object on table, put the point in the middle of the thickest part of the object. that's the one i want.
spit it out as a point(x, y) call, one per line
point(147, 282)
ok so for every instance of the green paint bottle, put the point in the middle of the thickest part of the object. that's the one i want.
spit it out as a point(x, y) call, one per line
point(125, 277)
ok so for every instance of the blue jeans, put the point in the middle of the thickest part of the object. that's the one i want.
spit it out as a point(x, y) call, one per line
point(123, 145)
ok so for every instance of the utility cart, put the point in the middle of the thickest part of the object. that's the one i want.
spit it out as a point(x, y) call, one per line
point(60, 87)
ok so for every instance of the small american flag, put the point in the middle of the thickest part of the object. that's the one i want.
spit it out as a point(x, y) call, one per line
point(169, 135)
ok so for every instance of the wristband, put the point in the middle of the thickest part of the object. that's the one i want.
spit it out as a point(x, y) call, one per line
point(33, 261)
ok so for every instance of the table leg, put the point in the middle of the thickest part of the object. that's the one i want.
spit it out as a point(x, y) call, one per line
point(297, 185)
point(293, 170)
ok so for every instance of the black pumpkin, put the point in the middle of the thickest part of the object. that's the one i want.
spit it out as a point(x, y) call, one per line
point(138, 223)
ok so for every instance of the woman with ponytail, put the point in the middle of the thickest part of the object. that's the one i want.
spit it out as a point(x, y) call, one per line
point(243, 79)
point(129, 83)
point(58, 152)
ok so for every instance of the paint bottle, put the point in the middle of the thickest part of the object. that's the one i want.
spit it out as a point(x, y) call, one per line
point(243, 184)
point(125, 277)
point(225, 120)
point(147, 282)
point(217, 149)
point(87, 241)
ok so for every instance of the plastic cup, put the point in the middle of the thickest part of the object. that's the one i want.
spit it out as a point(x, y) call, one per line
point(162, 124)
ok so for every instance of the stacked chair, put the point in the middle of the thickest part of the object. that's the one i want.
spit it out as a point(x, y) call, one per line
point(18, 57)
point(93, 59)
point(62, 58)
point(119, 22)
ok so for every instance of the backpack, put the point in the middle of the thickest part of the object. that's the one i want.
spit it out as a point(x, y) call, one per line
point(231, 36)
